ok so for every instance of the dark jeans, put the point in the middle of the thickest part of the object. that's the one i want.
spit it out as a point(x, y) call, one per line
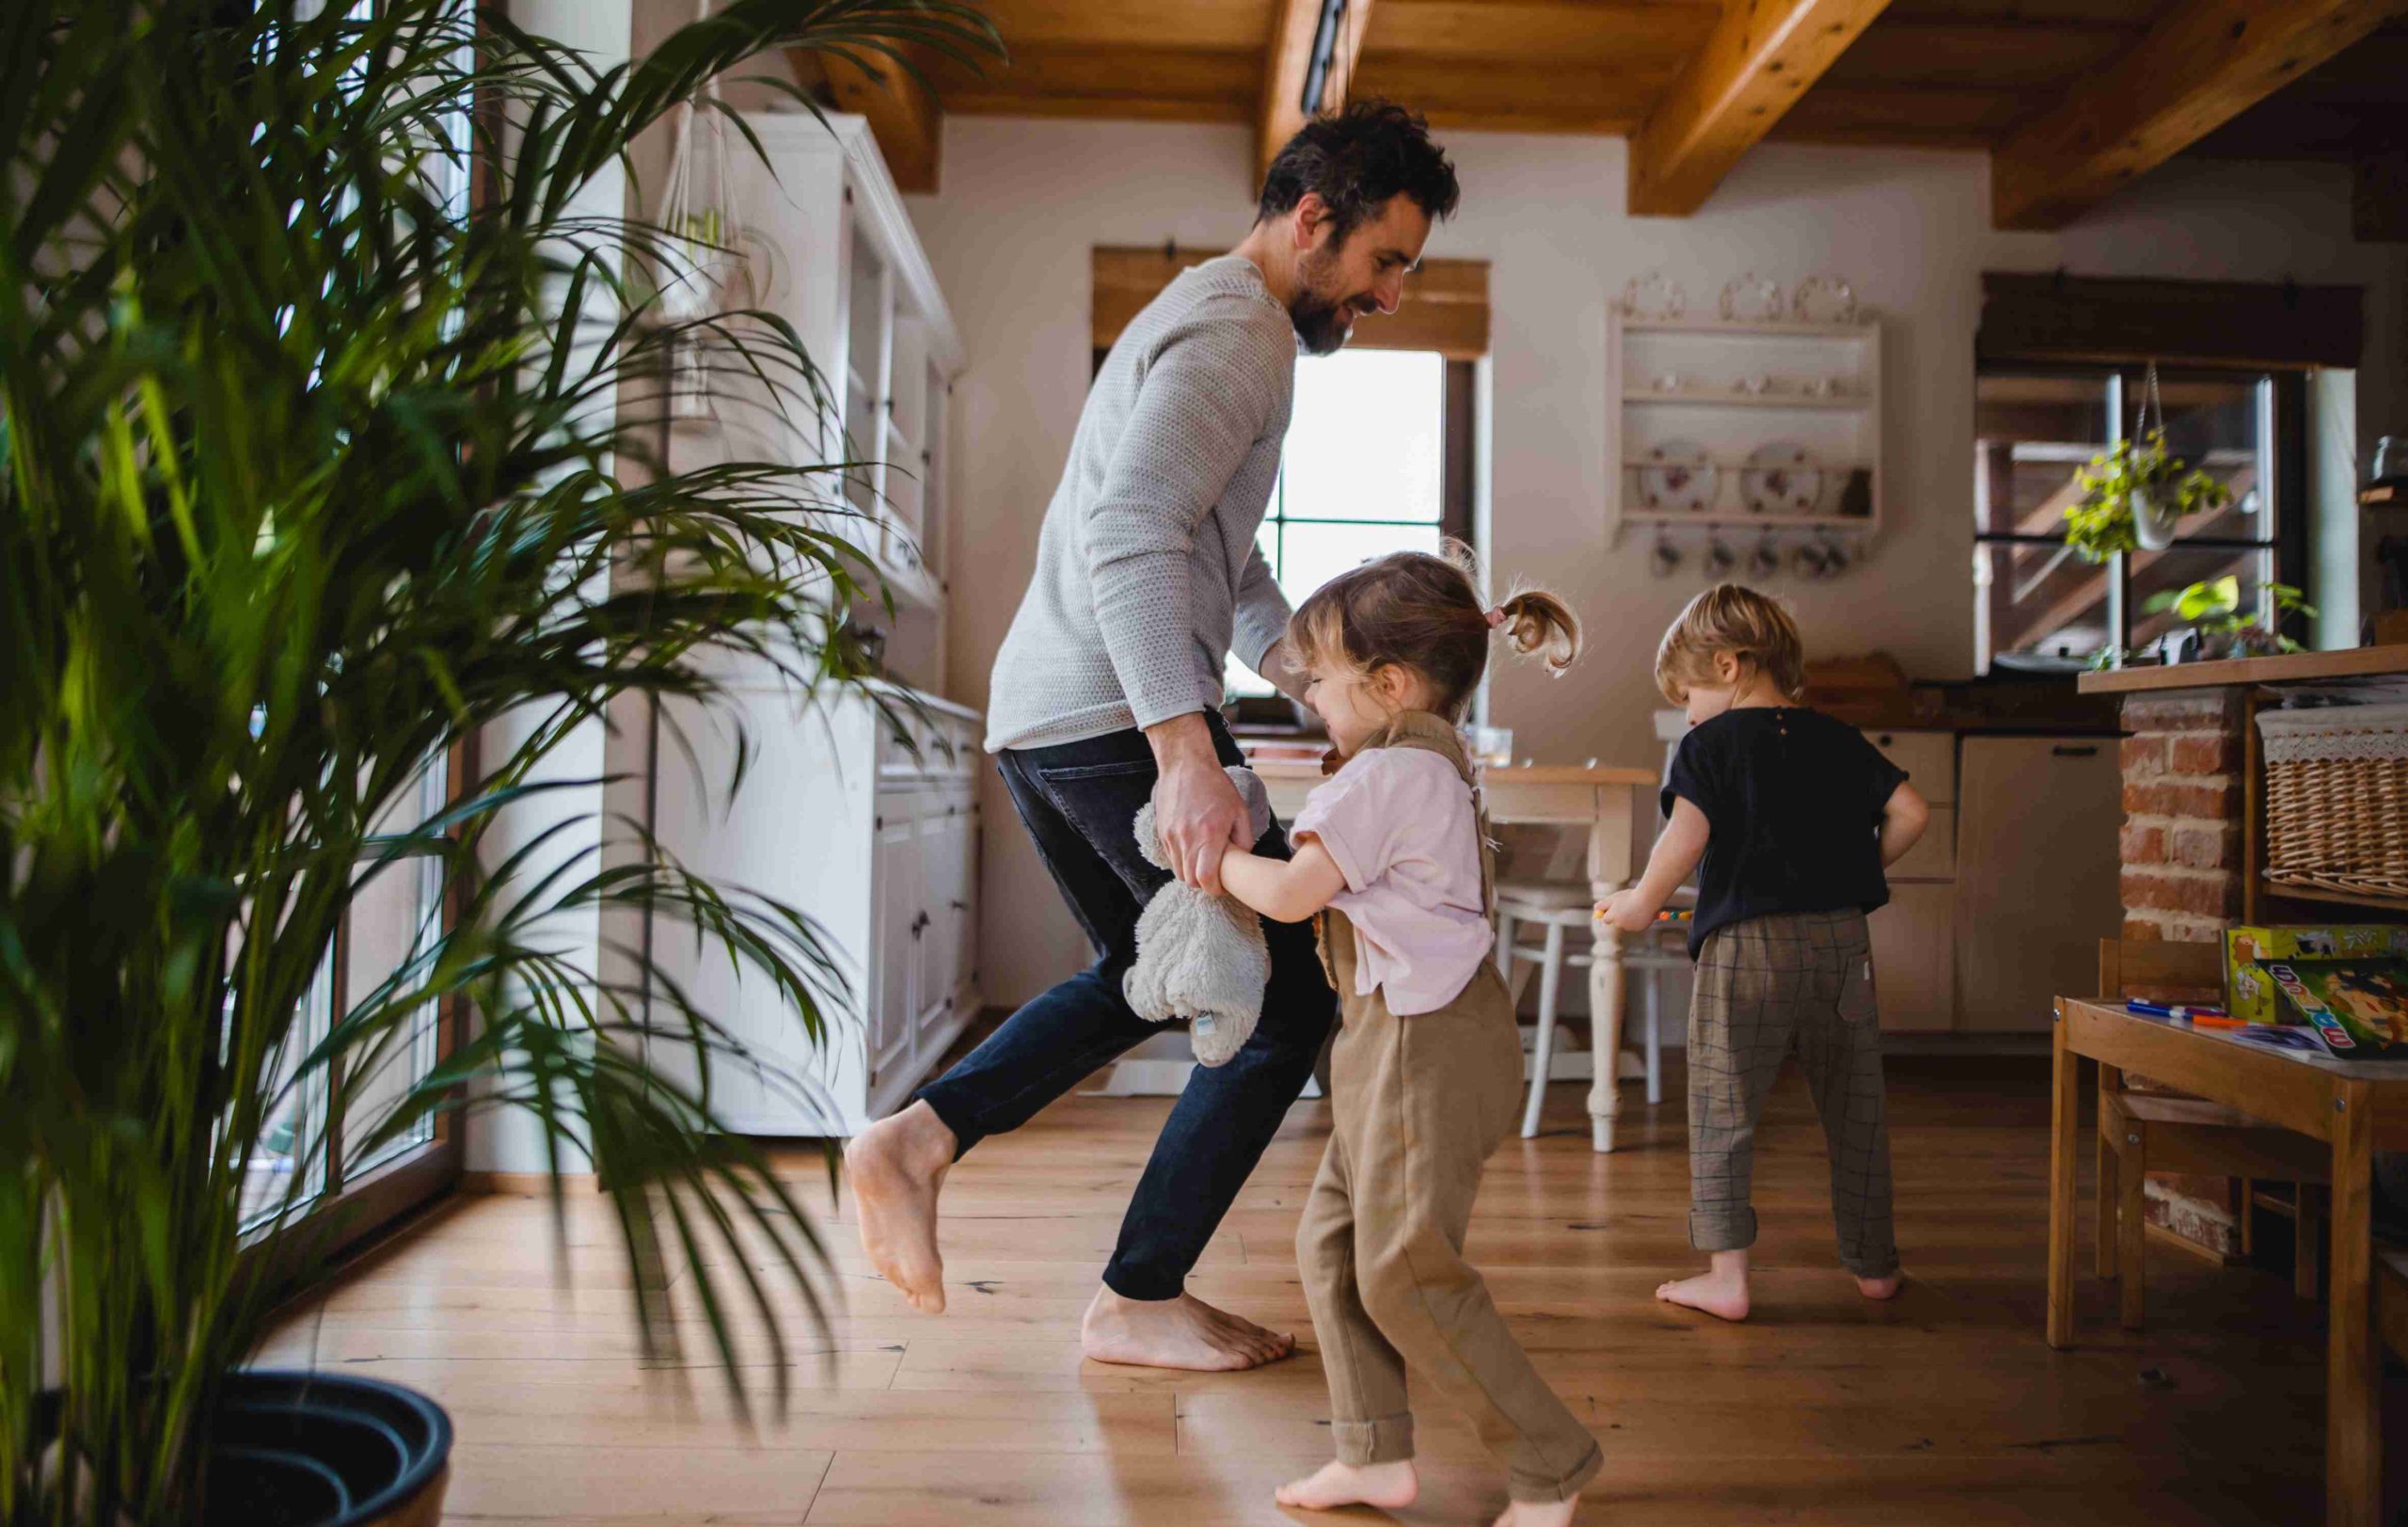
point(1079, 800)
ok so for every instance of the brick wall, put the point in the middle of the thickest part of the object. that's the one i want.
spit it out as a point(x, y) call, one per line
point(2180, 851)
point(2180, 847)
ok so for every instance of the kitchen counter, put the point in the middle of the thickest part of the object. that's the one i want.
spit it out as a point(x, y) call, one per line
point(2289, 668)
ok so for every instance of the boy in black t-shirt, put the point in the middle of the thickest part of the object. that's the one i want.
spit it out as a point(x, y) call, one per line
point(1794, 816)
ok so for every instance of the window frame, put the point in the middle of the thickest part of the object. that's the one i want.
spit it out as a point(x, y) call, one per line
point(2286, 439)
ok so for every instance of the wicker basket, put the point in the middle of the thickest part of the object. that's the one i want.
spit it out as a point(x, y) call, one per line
point(2337, 799)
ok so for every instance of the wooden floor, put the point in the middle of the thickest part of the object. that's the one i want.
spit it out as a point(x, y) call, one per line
point(1945, 1407)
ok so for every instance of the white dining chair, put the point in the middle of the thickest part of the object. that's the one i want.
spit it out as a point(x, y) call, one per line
point(1565, 906)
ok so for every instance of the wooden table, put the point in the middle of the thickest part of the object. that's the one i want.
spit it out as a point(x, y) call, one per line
point(2355, 1106)
point(1601, 802)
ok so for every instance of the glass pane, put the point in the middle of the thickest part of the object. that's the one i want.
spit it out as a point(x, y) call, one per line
point(2030, 435)
point(1317, 553)
point(2035, 603)
point(392, 921)
point(288, 1169)
point(1367, 437)
point(2038, 605)
point(2171, 571)
point(2218, 423)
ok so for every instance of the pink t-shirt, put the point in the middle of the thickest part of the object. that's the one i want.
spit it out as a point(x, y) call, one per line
point(1399, 822)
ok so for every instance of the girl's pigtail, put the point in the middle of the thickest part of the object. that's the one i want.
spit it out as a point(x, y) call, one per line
point(1538, 623)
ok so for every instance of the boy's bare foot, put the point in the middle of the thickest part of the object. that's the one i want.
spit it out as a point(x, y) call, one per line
point(1881, 1288)
point(1721, 1291)
point(1184, 1332)
point(1391, 1487)
point(1539, 1514)
point(895, 1167)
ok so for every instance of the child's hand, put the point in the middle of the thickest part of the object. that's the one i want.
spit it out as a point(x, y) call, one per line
point(1626, 912)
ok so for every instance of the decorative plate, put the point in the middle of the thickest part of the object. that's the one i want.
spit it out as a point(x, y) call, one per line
point(1653, 294)
point(1676, 475)
point(1782, 479)
point(1749, 300)
point(1824, 299)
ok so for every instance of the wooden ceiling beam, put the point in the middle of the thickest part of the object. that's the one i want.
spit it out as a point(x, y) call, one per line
point(1761, 57)
point(1282, 111)
point(2202, 63)
point(903, 113)
point(1064, 80)
point(1522, 97)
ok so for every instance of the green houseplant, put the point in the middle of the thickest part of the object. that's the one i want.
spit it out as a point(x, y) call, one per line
point(311, 468)
point(2132, 489)
point(2212, 607)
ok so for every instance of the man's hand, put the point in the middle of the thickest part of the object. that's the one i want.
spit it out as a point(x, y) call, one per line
point(1198, 813)
point(1289, 681)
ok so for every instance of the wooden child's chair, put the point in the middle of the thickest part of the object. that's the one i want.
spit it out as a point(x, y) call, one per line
point(2140, 1133)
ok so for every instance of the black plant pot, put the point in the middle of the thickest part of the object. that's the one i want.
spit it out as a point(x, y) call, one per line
point(292, 1449)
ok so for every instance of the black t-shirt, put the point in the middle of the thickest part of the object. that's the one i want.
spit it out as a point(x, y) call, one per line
point(1794, 801)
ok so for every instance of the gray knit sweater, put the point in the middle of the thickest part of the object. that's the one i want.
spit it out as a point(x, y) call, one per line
point(1147, 572)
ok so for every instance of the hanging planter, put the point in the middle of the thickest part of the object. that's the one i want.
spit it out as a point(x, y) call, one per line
point(2135, 495)
point(701, 249)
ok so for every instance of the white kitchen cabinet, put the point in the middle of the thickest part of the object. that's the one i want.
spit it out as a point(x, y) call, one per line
point(830, 248)
point(1914, 958)
point(858, 816)
point(2038, 883)
point(838, 817)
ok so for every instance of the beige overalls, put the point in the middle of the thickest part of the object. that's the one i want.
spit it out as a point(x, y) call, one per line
point(1420, 1104)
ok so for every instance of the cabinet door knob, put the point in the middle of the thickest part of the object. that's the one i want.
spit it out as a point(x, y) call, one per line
point(959, 906)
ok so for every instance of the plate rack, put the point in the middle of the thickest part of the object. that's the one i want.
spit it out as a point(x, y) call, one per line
point(1720, 392)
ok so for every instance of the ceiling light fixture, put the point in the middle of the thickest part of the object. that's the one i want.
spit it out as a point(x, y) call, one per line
point(1324, 50)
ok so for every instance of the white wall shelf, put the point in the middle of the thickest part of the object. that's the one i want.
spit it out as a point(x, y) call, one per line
point(1722, 392)
point(1743, 400)
point(1719, 518)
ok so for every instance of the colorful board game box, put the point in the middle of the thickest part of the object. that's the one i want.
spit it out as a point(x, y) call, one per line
point(2359, 1007)
point(2247, 994)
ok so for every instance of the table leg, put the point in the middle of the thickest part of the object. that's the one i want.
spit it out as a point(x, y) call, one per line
point(1609, 871)
point(1605, 1034)
point(2353, 1454)
point(2066, 1105)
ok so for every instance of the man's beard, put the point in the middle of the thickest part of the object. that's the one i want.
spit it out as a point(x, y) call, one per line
point(1323, 321)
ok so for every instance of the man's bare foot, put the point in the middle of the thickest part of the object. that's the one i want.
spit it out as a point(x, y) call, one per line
point(895, 1167)
point(1721, 1291)
point(1391, 1487)
point(1539, 1514)
point(1881, 1288)
point(1184, 1332)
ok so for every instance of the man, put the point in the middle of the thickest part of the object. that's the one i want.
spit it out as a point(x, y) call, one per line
point(1106, 692)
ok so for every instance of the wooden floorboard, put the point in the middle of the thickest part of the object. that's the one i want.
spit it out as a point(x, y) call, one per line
point(1943, 1406)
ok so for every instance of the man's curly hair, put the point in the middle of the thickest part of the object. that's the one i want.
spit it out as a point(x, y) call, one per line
point(1356, 161)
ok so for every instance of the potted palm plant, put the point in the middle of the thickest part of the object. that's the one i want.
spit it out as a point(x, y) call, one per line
point(311, 468)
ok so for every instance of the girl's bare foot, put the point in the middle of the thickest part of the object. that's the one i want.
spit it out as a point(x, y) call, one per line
point(1538, 1513)
point(1184, 1332)
point(895, 1167)
point(1881, 1288)
point(1391, 1487)
point(1721, 1291)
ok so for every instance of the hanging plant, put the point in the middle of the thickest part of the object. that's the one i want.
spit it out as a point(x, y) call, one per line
point(2135, 495)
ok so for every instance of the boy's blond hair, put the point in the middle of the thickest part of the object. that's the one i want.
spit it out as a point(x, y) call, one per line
point(1740, 621)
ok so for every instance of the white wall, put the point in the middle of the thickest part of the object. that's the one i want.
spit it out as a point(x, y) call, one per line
point(513, 1140)
point(1023, 202)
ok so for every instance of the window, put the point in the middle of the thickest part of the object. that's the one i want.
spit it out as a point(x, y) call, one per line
point(1377, 459)
point(2037, 605)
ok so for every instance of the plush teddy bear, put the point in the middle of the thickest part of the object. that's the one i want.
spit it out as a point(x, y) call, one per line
point(1202, 957)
